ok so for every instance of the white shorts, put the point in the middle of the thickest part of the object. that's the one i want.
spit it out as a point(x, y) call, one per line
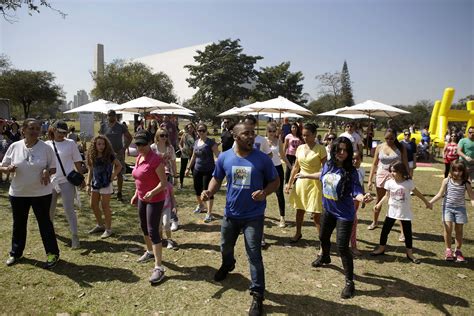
point(410, 164)
point(106, 190)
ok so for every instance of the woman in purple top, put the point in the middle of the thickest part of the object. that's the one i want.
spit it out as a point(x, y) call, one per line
point(341, 185)
point(203, 161)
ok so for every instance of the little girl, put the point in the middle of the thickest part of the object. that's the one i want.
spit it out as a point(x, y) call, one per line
point(454, 188)
point(103, 169)
point(356, 161)
point(399, 207)
point(169, 207)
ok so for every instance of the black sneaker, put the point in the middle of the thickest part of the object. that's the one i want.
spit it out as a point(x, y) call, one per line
point(256, 308)
point(51, 261)
point(221, 274)
point(348, 290)
point(320, 260)
point(119, 197)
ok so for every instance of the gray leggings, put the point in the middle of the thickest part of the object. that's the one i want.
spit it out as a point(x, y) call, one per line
point(68, 193)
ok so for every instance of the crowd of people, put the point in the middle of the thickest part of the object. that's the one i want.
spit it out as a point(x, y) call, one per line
point(323, 178)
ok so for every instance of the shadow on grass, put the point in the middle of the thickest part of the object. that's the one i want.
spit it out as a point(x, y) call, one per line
point(100, 245)
point(286, 303)
point(396, 287)
point(85, 275)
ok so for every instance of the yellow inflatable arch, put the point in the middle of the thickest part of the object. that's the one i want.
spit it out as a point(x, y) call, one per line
point(442, 115)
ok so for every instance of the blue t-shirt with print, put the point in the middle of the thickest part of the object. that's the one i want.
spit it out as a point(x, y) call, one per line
point(244, 176)
point(341, 207)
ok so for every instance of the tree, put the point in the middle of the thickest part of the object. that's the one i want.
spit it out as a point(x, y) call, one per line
point(33, 6)
point(279, 81)
point(122, 82)
point(30, 90)
point(346, 89)
point(4, 63)
point(223, 75)
point(330, 84)
point(322, 104)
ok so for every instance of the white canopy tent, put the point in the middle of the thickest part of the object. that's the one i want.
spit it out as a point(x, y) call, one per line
point(348, 116)
point(146, 104)
point(278, 105)
point(99, 106)
point(177, 112)
point(373, 109)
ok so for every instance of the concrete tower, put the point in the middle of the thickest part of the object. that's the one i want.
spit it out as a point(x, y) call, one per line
point(99, 60)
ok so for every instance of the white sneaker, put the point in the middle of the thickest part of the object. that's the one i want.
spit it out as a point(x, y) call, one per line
point(97, 229)
point(174, 226)
point(172, 245)
point(107, 233)
point(282, 223)
point(75, 242)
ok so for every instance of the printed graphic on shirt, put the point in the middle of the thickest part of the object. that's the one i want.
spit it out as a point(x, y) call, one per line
point(398, 196)
point(330, 182)
point(241, 177)
point(294, 143)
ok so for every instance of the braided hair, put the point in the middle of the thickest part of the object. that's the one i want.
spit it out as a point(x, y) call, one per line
point(345, 185)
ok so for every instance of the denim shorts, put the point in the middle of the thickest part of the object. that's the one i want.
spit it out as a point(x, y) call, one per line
point(456, 215)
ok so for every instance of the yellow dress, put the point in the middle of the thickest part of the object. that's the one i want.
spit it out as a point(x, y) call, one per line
point(307, 193)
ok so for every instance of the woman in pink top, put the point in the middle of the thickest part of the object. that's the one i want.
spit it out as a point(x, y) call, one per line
point(292, 141)
point(450, 153)
point(150, 182)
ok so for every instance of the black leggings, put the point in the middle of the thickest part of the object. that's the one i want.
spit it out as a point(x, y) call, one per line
point(201, 181)
point(279, 191)
point(291, 159)
point(387, 227)
point(447, 167)
point(182, 169)
point(150, 216)
point(343, 236)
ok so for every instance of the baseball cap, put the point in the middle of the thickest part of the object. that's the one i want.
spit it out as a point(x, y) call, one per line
point(60, 126)
point(142, 138)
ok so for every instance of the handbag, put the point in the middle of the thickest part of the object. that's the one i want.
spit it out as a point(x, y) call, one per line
point(73, 177)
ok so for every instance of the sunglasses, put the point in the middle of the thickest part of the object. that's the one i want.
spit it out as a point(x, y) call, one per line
point(140, 145)
point(271, 131)
point(407, 134)
point(330, 138)
point(389, 138)
point(202, 130)
point(163, 135)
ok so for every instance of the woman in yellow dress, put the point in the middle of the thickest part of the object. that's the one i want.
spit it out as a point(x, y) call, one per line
point(307, 196)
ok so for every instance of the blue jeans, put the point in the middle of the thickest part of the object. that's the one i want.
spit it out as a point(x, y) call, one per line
point(253, 231)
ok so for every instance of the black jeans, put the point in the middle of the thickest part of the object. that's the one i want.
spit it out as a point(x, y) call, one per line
point(182, 169)
point(343, 236)
point(291, 159)
point(20, 209)
point(447, 167)
point(387, 227)
point(279, 191)
point(150, 216)
point(201, 181)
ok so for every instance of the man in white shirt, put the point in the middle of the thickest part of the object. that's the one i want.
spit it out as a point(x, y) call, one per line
point(355, 138)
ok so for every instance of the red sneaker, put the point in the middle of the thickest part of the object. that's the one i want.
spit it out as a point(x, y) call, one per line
point(459, 256)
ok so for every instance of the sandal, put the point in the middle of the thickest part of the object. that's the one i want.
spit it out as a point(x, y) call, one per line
point(372, 226)
point(295, 240)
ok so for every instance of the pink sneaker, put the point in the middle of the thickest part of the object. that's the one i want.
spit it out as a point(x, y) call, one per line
point(459, 256)
point(448, 254)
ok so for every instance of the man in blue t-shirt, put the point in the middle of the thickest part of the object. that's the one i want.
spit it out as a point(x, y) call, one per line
point(246, 170)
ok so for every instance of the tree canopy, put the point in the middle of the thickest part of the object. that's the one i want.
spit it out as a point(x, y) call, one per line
point(330, 85)
point(122, 82)
point(33, 91)
point(279, 81)
point(223, 75)
point(9, 7)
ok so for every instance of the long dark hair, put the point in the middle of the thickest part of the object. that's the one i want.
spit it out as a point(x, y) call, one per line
point(345, 185)
point(395, 141)
point(298, 131)
point(399, 167)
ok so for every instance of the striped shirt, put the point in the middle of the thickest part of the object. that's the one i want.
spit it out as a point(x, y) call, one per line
point(455, 193)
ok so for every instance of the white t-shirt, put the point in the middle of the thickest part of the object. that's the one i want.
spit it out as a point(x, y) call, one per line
point(69, 153)
point(30, 163)
point(399, 203)
point(276, 152)
point(354, 138)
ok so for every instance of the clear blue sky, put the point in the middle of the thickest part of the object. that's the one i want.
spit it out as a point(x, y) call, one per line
point(398, 51)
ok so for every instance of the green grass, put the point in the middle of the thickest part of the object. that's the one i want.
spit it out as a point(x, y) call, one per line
point(103, 278)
